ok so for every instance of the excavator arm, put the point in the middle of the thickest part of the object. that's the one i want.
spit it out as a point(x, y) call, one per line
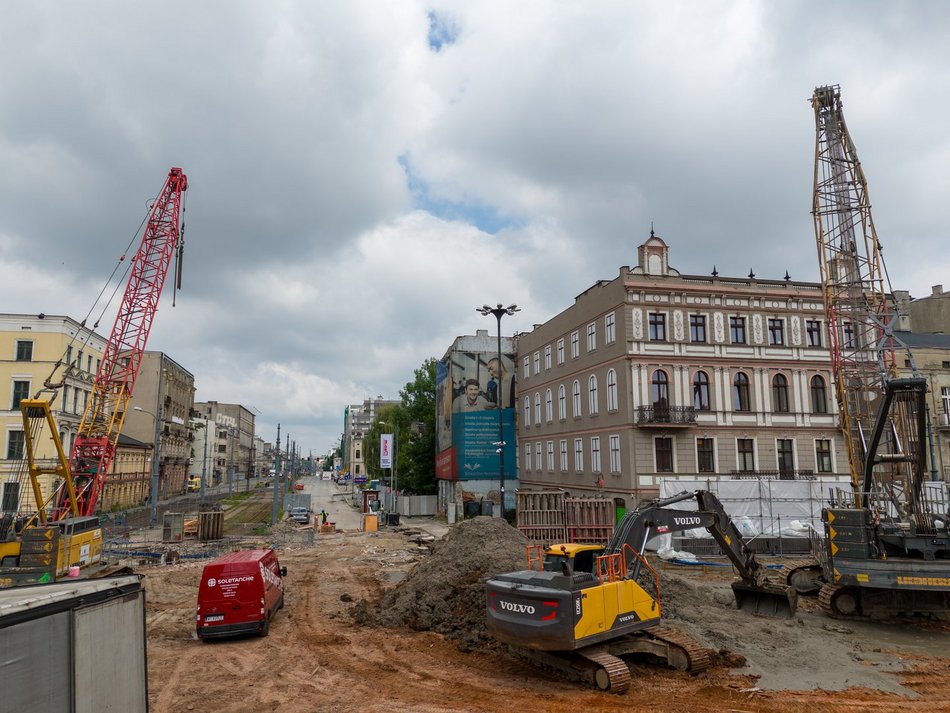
point(753, 591)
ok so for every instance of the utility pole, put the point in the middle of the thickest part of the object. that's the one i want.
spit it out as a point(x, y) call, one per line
point(204, 463)
point(273, 512)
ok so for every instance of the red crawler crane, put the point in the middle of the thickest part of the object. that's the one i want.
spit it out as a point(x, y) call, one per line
point(94, 447)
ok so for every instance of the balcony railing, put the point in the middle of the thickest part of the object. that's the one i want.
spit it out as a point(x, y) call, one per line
point(662, 415)
point(774, 474)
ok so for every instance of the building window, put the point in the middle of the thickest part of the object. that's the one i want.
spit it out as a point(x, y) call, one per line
point(575, 345)
point(660, 389)
point(945, 399)
point(69, 355)
point(537, 456)
point(591, 336)
point(525, 367)
point(15, 445)
point(823, 455)
point(847, 330)
point(819, 401)
point(737, 330)
point(579, 455)
point(697, 328)
point(740, 393)
point(785, 452)
point(576, 405)
point(701, 391)
point(563, 455)
point(615, 454)
point(561, 403)
point(611, 390)
point(745, 450)
point(610, 335)
point(780, 393)
point(663, 449)
point(527, 411)
point(592, 394)
point(21, 390)
point(547, 357)
point(527, 456)
point(89, 363)
point(595, 454)
point(813, 332)
point(79, 359)
point(550, 455)
point(705, 455)
point(548, 406)
point(560, 351)
point(24, 350)
point(537, 409)
point(537, 363)
point(657, 327)
point(776, 331)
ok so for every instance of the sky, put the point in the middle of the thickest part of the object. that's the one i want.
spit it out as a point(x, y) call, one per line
point(363, 175)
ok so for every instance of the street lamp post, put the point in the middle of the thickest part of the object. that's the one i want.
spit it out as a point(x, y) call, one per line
point(153, 496)
point(499, 312)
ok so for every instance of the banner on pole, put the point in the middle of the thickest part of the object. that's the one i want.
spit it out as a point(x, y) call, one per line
point(386, 450)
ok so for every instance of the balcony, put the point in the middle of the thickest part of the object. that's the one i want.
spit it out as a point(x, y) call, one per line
point(660, 414)
point(803, 474)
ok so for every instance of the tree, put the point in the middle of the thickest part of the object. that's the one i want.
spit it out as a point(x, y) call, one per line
point(414, 421)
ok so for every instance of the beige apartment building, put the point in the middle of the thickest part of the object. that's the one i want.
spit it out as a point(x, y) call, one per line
point(931, 354)
point(231, 449)
point(30, 347)
point(654, 374)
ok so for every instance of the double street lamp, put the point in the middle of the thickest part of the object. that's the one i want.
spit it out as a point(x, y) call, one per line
point(499, 312)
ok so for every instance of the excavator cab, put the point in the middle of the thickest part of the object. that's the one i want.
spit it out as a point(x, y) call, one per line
point(571, 558)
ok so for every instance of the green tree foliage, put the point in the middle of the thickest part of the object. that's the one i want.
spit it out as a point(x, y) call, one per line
point(413, 423)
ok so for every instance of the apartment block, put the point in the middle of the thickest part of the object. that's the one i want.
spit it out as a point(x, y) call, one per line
point(654, 373)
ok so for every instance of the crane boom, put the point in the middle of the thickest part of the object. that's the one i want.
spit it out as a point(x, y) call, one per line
point(94, 448)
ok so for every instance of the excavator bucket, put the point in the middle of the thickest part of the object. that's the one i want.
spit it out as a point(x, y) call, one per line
point(768, 599)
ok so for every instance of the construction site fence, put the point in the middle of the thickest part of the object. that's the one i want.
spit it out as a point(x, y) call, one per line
point(546, 517)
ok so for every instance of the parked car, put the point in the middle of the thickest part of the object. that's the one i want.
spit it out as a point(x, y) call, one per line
point(300, 515)
point(298, 486)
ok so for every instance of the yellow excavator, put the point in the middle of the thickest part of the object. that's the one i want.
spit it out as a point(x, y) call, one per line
point(582, 608)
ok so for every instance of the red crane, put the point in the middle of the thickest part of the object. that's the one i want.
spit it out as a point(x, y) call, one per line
point(94, 448)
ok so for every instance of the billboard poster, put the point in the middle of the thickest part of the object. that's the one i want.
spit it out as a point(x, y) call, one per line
point(386, 450)
point(470, 386)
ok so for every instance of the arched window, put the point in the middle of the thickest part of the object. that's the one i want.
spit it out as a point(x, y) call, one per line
point(611, 390)
point(548, 406)
point(701, 391)
point(537, 408)
point(740, 393)
point(819, 399)
point(661, 389)
point(576, 398)
point(780, 393)
point(561, 403)
point(592, 394)
point(527, 411)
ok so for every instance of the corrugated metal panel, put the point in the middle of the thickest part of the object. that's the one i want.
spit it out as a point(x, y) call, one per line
point(110, 656)
point(34, 665)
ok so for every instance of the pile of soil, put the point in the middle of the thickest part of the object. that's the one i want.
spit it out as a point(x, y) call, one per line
point(445, 592)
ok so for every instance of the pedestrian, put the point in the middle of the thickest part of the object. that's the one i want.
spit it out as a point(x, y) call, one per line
point(323, 516)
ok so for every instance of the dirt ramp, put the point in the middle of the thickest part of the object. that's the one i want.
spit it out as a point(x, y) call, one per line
point(445, 592)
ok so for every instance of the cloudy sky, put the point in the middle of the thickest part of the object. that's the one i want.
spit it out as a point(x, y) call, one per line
point(363, 174)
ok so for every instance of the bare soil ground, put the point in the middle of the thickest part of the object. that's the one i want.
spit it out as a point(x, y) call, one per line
point(375, 622)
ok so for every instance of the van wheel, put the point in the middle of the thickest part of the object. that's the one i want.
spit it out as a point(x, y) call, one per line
point(265, 629)
point(281, 605)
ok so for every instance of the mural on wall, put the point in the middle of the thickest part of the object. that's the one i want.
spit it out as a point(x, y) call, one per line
point(468, 389)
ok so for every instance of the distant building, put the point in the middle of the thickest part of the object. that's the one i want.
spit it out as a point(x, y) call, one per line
point(931, 354)
point(469, 386)
point(357, 419)
point(654, 374)
point(929, 314)
point(231, 447)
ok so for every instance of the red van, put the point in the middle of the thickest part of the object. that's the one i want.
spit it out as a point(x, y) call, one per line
point(239, 594)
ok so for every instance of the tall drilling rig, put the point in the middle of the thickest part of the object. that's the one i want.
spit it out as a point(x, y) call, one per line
point(885, 550)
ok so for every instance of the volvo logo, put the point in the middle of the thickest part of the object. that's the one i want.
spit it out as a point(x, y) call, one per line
point(694, 520)
point(517, 608)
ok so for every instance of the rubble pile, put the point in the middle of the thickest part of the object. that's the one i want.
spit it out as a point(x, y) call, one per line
point(445, 592)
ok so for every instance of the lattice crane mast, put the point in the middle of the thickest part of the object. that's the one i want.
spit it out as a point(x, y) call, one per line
point(94, 448)
point(879, 412)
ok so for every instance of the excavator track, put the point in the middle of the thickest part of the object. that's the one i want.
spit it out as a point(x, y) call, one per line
point(612, 673)
point(797, 574)
point(697, 656)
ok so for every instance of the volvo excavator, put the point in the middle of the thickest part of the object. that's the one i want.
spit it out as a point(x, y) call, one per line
point(582, 608)
point(885, 548)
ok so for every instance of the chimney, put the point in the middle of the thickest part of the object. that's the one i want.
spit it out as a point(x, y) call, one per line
point(937, 290)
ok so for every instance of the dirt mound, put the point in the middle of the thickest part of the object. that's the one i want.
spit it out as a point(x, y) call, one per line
point(445, 592)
